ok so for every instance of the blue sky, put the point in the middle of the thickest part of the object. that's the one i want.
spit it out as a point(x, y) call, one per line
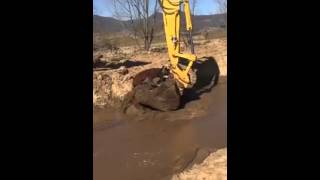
point(103, 7)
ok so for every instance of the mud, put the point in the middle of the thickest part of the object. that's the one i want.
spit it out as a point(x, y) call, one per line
point(153, 90)
point(156, 145)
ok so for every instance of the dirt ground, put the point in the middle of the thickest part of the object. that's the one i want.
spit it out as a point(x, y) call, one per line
point(112, 79)
point(214, 167)
point(112, 82)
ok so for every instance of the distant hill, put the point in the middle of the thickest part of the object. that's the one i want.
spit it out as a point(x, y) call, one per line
point(205, 21)
point(106, 24)
point(200, 22)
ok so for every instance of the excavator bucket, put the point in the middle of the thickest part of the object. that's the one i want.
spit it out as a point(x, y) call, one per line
point(157, 88)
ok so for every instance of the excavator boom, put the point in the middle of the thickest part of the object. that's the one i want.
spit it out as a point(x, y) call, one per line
point(162, 88)
point(171, 20)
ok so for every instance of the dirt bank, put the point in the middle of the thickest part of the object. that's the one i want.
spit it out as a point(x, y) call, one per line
point(112, 78)
point(214, 167)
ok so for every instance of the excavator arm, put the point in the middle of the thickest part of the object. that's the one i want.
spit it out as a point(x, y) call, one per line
point(171, 20)
point(162, 88)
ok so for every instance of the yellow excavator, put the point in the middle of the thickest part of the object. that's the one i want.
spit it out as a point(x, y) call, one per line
point(162, 89)
point(171, 19)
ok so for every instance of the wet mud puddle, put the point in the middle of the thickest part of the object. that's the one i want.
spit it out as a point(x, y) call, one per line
point(154, 146)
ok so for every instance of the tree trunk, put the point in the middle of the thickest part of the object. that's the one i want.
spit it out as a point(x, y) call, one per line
point(146, 43)
point(146, 25)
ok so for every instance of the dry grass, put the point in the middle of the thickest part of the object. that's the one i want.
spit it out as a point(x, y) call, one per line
point(122, 40)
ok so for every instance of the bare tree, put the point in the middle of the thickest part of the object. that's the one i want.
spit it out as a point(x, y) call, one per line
point(222, 8)
point(222, 5)
point(137, 20)
point(194, 6)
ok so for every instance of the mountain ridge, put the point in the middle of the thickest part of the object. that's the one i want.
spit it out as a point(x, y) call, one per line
point(103, 24)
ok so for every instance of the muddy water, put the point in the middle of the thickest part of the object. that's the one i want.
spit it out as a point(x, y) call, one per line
point(156, 145)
